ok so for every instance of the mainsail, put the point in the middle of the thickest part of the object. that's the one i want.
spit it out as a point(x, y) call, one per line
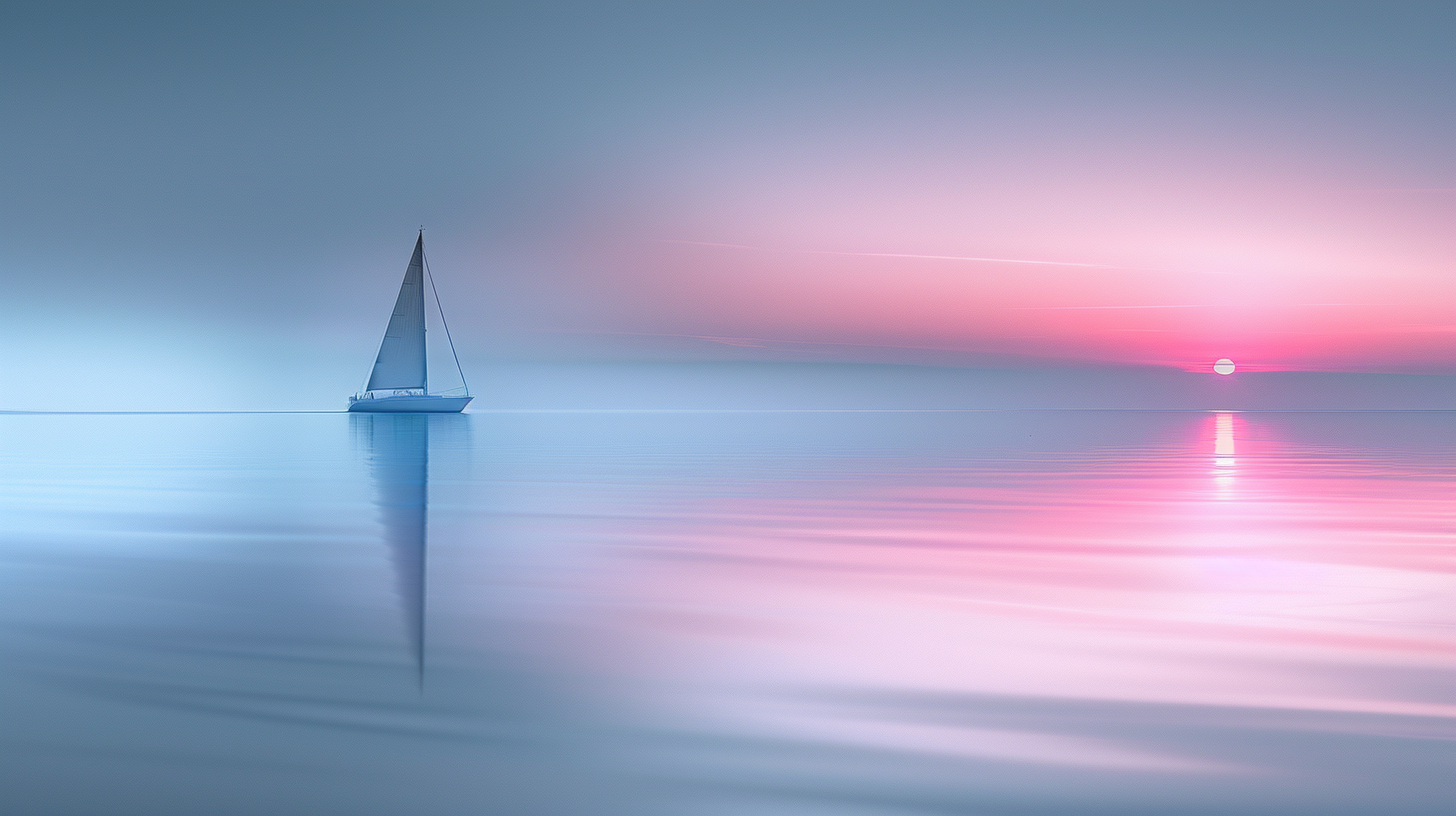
point(401, 360)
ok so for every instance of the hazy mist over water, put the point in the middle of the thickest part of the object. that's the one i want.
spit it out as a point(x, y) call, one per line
point(845, 436)
point(755, 385)
point(1011, 612)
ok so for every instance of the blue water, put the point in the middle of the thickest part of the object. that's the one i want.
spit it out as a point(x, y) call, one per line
point(728, 613)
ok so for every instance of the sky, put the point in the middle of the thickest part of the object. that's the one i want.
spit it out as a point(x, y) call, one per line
point(211, 205)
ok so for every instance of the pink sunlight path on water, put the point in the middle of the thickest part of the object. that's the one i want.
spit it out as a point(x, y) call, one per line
point(1228, 569)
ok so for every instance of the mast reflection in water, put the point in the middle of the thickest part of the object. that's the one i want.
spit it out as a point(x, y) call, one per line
point(398, 448)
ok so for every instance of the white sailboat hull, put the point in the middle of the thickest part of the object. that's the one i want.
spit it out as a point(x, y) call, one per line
point(409, 404)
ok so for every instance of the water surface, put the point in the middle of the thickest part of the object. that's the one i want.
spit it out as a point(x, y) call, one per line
point(728, 613)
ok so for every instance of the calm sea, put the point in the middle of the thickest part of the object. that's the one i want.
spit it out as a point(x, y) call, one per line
point(800, 613)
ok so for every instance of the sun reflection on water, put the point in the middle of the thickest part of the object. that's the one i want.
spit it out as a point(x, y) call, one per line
point(1224, 462)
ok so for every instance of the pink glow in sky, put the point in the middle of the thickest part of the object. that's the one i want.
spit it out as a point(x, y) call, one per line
point(1096, 218)
point(1274, 273)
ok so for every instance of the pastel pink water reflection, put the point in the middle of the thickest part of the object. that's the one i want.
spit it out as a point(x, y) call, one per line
point(1222, 568)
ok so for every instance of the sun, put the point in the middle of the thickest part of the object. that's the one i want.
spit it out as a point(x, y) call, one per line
point(1224, 366)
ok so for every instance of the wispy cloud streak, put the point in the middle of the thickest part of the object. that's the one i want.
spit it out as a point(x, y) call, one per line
point(961, 258)
point(1083, 308)
point(915, 255)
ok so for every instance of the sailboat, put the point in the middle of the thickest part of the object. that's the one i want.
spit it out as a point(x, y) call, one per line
point(399, 381)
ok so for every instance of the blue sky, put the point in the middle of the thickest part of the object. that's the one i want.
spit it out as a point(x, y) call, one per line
point(219, 201)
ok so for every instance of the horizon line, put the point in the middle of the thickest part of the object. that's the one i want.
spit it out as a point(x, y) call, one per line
point(4, 412)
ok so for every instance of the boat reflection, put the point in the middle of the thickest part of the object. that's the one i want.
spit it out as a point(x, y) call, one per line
point(398, 448)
